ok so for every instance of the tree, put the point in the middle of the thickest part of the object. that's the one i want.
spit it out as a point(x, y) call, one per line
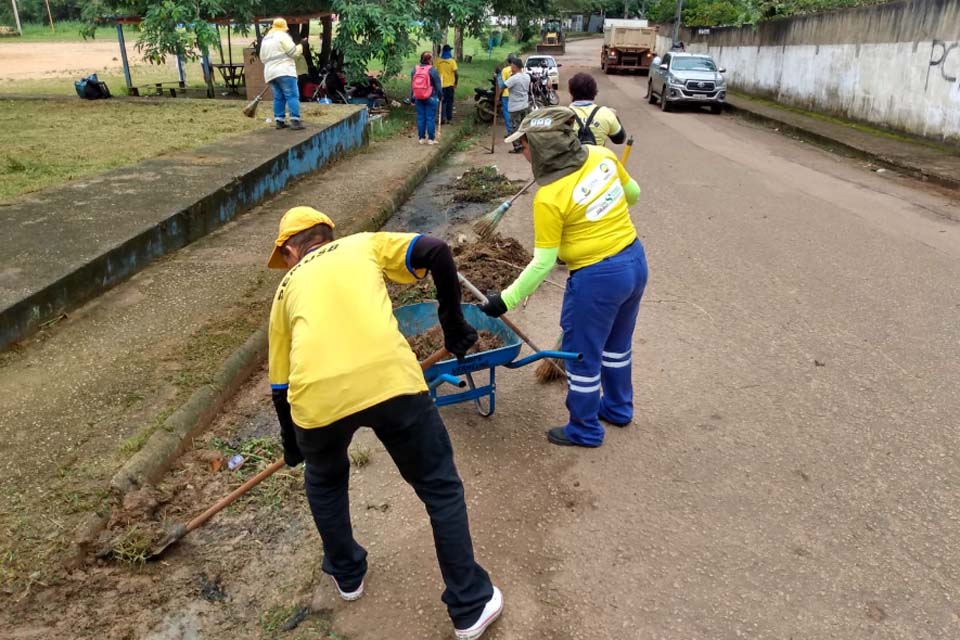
point(374, 30)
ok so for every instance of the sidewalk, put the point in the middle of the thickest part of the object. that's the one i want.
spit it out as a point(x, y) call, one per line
point(919, 158)
point(82, 396)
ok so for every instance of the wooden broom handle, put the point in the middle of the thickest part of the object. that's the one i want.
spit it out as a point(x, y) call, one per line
point(276, 465)
point(229, 499)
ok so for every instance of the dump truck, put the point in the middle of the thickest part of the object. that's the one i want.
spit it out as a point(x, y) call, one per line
point(552, 39)
point(628, 45)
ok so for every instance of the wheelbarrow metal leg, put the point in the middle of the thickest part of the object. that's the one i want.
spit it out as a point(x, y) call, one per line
point(473, 387)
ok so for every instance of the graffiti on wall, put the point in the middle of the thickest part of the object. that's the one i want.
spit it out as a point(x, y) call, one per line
point(945, 62)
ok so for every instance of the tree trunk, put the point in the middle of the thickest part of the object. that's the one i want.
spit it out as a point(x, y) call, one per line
point(326, 40)
point(458, 44)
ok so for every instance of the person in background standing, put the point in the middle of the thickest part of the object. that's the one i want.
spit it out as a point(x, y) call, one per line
point(426, 88)
point(518, 104)
point(449, 78)
point(279, 54)
point(594, 124)
point(503, 94)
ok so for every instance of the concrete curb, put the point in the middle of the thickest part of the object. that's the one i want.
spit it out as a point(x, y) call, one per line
point(177, 432)
point(950, 182)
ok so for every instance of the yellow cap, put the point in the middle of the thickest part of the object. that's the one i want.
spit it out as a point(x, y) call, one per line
point(293, 222)
point(280, 24)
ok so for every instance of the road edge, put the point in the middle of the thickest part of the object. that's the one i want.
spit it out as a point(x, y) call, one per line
point(820, 139)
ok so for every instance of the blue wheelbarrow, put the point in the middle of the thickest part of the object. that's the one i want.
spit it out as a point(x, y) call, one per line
point(415, 319)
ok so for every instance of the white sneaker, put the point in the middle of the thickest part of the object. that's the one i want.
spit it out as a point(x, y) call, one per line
point(490, 613)
point(423, 141)
point(431, 142)
point(349, 596)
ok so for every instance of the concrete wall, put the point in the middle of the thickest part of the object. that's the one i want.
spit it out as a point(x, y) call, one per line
point(895, 65)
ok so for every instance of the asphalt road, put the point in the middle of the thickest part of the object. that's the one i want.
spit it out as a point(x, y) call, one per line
point(793, 470)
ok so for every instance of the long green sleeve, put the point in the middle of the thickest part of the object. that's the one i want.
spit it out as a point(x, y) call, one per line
point(531, 277)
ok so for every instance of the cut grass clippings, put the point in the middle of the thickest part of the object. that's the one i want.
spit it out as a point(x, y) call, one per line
point(483, 184)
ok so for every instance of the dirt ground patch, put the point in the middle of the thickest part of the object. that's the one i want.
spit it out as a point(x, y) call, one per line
point(431, 340)
point(491, 265)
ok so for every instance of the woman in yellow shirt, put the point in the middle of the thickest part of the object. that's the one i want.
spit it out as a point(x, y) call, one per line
point(581, 215)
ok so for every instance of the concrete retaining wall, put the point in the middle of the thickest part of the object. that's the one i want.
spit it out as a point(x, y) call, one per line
point(111, 226)
point(895, 65)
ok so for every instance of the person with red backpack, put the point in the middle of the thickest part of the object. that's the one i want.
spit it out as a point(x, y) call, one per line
point(425, 88)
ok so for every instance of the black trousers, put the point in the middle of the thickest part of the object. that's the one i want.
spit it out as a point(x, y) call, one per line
point(449, 95)
point(415, 437)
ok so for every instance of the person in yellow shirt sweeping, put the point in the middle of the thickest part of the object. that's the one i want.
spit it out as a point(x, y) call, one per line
point(338, 362)
point(581, 215)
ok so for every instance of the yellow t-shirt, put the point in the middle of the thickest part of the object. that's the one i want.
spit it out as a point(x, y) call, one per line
point(504, 74)
point(604, 123)
point(585, 214)
point(447, 67)
point(334, 341)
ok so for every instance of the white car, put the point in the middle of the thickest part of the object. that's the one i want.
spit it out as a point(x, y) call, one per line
point(536, 63)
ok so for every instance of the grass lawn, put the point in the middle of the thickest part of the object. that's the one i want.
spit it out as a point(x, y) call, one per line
point(65, 31)
point(35, 153)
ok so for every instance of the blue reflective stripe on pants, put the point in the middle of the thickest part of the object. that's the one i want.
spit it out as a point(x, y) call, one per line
point(286, 94)
point(599, 313)
point(427, 118)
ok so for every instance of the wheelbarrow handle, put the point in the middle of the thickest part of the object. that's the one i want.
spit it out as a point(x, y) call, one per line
point(507, 321)
point(434, 358)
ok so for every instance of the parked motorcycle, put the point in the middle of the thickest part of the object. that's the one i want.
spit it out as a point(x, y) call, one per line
point(542, 93)
point(486, 100)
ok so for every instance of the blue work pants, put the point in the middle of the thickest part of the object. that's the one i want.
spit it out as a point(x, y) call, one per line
point(286, 94)
point(599, 313)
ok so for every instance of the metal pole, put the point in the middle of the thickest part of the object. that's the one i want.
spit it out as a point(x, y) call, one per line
point(123, 57)
point(50, 15)
point(16, 17)
point(676, 22)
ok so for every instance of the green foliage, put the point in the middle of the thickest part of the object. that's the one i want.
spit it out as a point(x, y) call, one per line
point(374, 30)
point(35, 11)
point(714, 13)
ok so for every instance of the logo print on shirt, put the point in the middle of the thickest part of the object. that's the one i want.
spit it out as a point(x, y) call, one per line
point(602, 205)
point(596, 180)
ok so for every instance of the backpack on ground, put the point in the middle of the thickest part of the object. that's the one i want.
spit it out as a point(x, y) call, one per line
point(585, 134)
point(422, 86)
point(90, 88)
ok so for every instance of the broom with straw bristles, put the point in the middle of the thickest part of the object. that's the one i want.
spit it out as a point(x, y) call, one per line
point(487, 225)
point(251, 109)
point(549, 370)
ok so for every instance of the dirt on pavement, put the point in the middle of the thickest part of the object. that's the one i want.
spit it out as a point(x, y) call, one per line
point(32, 60)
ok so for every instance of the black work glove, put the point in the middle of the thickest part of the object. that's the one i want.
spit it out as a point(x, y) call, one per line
point(495, 306)
point(288, 434)
point(458, 338)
